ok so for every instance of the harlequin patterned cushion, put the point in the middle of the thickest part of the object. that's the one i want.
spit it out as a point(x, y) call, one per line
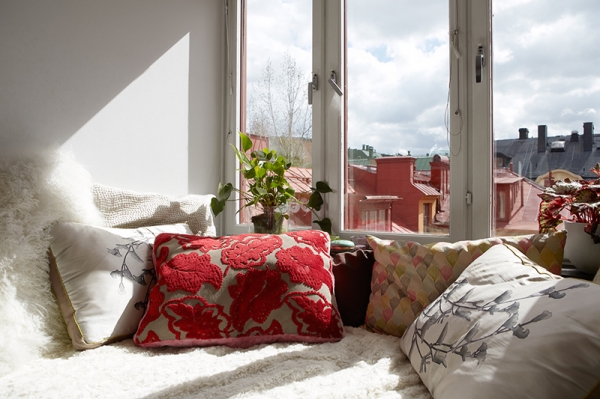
point(408, 276)
point(241, 290)
point(547, 250)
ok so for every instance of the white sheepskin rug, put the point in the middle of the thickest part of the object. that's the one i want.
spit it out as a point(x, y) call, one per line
point(35, 192)
point(362, 365)
point(37, 359)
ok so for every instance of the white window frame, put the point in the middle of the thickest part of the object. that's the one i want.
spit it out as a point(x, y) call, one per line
point(470, 112)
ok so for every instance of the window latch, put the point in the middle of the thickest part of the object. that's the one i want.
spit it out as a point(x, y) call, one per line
point(469, 198)
point(312, 86)
point(479, 63)
point(333, 82)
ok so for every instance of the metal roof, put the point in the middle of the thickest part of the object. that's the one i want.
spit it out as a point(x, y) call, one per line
point(427, 190)
point(530, 163)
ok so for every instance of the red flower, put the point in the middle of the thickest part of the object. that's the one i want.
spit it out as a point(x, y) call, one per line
point(201, 320)
point(317, 239)
point(319, 318)
point(304, 266)
point(256, 294)
point(204, 244)
point(188, 271)
point(274, 329)
point(155, 300)
point(162, 238)
point(250, 251)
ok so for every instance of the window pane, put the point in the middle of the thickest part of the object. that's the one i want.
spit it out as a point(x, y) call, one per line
point(397, 91)
point(546, 101)
point(274, 109)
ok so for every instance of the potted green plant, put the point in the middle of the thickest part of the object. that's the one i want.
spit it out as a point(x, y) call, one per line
point(577, 204)
point(268, 189)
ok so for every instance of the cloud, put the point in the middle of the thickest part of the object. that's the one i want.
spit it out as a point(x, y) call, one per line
point(546, 67)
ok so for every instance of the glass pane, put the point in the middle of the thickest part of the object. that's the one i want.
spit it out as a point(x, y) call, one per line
point(397, 90)
point(275, 111)
point(546, 101)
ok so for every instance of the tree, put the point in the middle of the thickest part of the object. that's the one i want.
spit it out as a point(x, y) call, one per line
point(278, 108)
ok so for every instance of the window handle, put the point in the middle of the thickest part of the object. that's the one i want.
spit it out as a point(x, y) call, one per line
point(312, 86)
point(479, 63)
point(333, 82)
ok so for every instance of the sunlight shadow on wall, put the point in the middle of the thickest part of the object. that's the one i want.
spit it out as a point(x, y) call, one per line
point(145, 126)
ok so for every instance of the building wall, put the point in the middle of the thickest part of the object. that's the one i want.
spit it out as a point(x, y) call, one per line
point(395, 176)
point(134, 88)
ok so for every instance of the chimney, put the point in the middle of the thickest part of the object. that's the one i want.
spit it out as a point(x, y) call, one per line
point(395, 175)
point(588, 136)
point(542, 138)
point(440, 175)
point(523, 133)
point(574, 136)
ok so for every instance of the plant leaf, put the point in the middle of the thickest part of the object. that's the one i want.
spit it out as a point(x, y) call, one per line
point(323, 187)
point(324, 224)
point(217, 206)
point(224, 191)
point(246, 142)
point(315, 201)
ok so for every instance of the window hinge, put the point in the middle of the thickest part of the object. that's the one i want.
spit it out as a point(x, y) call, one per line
point(469, 198)
point(334, 84)
point(312, 86)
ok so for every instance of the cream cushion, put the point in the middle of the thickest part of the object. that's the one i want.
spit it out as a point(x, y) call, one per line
point(101, 277)
point(508, 328)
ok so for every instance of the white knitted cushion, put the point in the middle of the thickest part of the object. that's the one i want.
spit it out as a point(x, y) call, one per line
point(130, 209)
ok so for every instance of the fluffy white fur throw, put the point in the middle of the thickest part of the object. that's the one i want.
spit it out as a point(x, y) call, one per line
point(362, 365)
point(38, 360)
point(35, 192)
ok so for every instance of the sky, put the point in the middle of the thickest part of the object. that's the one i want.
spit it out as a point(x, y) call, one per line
point(546, 66)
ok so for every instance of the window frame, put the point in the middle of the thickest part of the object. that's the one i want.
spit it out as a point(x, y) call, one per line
point(470, 114)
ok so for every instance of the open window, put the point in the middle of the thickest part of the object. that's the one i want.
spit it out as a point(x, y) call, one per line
point(400, 126)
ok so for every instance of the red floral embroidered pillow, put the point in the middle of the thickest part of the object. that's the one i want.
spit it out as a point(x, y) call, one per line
point(241, 291)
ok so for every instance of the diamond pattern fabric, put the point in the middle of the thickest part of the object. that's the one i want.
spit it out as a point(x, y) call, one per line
point(408, 276)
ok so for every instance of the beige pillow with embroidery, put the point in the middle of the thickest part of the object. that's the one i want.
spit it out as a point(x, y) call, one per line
point(101, 277)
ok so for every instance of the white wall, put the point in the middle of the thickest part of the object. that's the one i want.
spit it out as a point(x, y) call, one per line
point(133, 87)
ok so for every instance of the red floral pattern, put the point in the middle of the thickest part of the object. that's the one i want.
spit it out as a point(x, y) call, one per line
point(203, 244)
point(319, 242)
point(187, 317)
point(319, 317)
point(265, 288)
point(189, 271)
point(152, 314)
point(304, 266)
point(274, 329)
point(256, 294)
point(250, 250)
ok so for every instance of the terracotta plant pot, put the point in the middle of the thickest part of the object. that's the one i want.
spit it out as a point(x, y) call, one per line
point(580, 248)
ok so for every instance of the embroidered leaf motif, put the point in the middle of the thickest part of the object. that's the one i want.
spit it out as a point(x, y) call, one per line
point(250, 251)
point(546, 314)
point(256, 294)
point(189, 271)
point(436, 350)
point(315, 317)
point(198, 320)
point(304, 266)
point(503, 297)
